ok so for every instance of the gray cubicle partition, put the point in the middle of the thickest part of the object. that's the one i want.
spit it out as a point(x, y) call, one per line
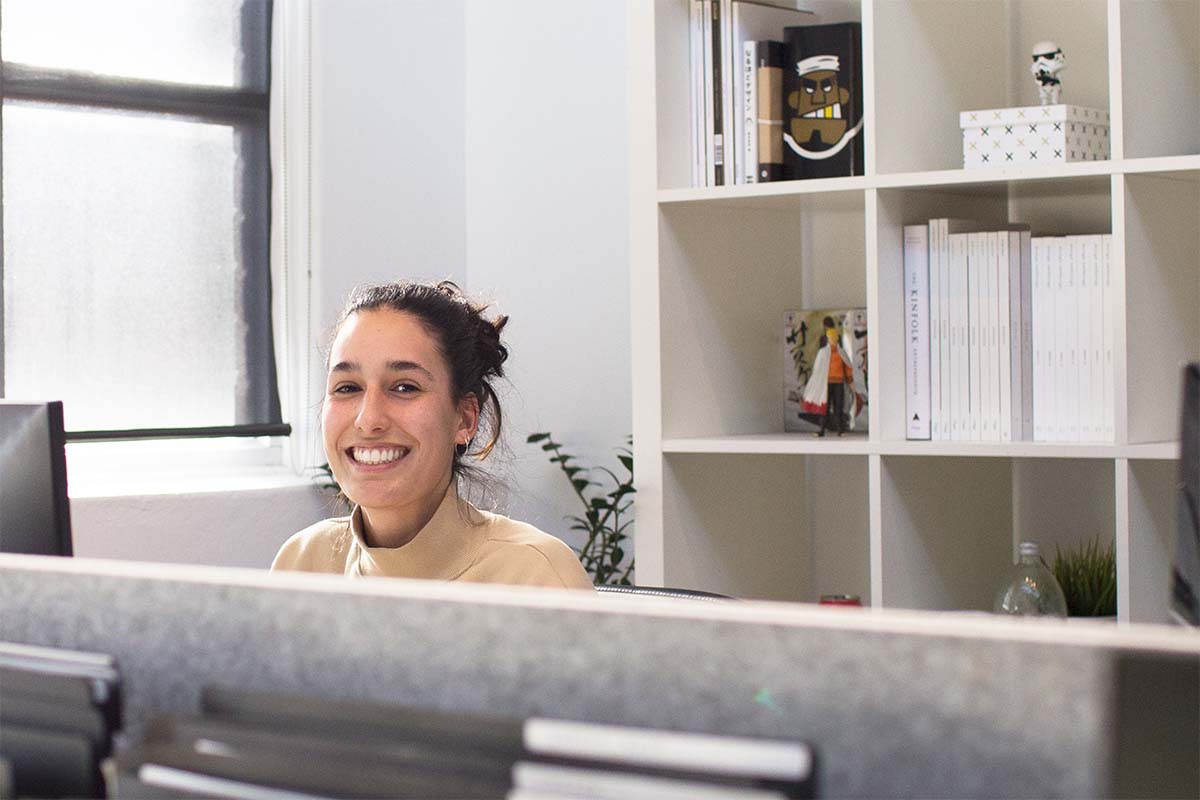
point(896, 704)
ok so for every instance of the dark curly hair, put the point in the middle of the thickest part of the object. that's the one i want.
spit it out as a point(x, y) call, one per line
point(468, 342)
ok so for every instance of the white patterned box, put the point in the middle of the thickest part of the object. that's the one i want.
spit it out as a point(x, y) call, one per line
point(1033, 135)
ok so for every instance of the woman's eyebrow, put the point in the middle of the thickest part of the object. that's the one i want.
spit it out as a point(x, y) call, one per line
point(393, 366)
point(406, 366)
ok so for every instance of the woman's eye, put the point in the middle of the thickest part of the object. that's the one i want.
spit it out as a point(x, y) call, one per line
point(406, 388)
point(344, 388)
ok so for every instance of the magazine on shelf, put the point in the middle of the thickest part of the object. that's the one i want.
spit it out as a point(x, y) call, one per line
point(960, 392)
point(974, 319)
point(805, 367)
point(697, 105)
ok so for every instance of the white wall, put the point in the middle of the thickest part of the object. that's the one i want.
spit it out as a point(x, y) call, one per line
point(476, 140)
point(233, 528)
point(547, 230)
point(388, 131)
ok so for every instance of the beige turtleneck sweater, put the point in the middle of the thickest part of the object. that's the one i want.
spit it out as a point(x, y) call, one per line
point(459, 543)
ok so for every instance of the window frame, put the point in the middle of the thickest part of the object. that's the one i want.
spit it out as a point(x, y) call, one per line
point(248, 111)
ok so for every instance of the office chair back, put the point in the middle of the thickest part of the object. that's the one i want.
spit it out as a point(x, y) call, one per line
point(663, 591)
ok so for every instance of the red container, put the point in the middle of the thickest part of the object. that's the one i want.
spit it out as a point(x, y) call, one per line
point(840, 600)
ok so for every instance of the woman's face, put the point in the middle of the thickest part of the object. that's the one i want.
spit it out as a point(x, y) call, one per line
point(389, 419)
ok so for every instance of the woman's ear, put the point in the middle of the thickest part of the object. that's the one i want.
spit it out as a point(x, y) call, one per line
point(468, 419)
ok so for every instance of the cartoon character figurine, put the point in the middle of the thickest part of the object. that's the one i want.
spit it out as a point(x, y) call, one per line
point(832, 371)
point(1048, 61)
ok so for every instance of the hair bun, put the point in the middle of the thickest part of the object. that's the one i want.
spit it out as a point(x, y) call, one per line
point(491, 351)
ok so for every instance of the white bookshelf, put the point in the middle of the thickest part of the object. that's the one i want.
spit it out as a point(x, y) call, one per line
point(727, 501)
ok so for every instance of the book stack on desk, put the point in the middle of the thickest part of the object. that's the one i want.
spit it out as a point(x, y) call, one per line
point(59, 713)
point(256, 744)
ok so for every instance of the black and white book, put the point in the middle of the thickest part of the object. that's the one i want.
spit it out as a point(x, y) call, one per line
point(823, 102)
point(771, 59)
point(718, 72)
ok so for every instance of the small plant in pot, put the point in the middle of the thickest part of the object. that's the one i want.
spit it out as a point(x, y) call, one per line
point(1088, 576)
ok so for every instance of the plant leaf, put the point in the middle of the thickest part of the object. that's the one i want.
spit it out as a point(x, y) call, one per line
point(536, 437)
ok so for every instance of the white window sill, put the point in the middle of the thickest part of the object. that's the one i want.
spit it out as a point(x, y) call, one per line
point(124, 469)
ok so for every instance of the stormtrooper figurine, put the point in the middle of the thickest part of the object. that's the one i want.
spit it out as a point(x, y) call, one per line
point(1048, 61)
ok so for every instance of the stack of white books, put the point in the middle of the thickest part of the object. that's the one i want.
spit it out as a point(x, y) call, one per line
point(1008, 337)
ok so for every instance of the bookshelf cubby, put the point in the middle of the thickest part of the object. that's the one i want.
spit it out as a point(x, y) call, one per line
point(727, 500)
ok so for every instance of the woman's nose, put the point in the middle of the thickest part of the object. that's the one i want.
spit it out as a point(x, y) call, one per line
point(371, 413)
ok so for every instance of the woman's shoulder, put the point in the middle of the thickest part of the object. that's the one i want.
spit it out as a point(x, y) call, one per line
point(513, 539)
point(321, 547)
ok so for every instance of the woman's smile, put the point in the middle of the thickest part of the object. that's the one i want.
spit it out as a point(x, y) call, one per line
point(376, 456)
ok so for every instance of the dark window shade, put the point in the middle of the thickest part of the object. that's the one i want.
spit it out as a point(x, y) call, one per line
point(136, 216)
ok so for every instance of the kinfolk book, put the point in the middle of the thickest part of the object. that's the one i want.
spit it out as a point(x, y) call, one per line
point(806, 358)
point(822, 101)
point(916, 332)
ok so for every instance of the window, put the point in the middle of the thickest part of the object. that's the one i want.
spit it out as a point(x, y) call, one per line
point(136, 214)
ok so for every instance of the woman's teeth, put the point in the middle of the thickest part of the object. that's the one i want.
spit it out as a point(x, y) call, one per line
point(364, 455)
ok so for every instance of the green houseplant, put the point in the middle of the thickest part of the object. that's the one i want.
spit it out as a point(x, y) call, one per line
point(606, 514)
point(1088, 576)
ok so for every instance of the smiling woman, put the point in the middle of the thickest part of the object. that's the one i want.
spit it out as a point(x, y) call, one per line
point(409, 391)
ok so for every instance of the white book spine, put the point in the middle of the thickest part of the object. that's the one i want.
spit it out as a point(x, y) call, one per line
point(1082, 254)
point(983, 273)
point(1074, 256)
point(696, 56)
point(1038, 272)
point(1109, 331)
point(991, 384)
point(1023, 329)
point(987, 393)
point(1096, 337)
point(748, 168)
point(1054, 342)
point(974, 278)
point(960, 397)
point(728, 111)
point(916, 330)
point(935, 335)
point(1062, 340)
point(946, 385)
point(1004, 338)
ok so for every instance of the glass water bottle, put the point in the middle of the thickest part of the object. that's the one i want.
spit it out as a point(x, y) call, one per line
point(1031, 589)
